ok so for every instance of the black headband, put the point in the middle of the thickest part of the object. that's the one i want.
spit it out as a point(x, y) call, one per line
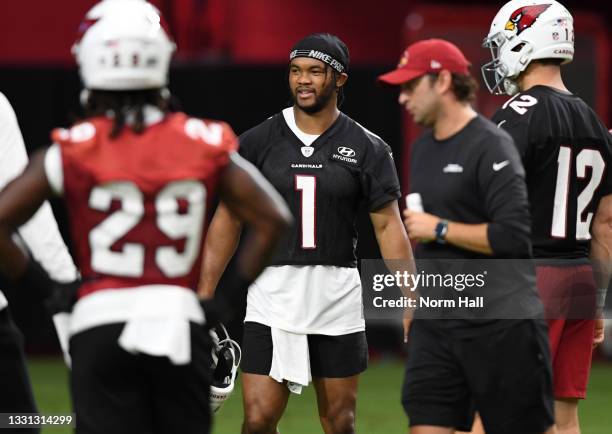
point(327, 48)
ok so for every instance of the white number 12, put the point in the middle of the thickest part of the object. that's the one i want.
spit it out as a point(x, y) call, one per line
point(585, 158)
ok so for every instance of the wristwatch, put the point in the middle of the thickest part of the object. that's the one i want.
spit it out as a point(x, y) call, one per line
point(441, 231)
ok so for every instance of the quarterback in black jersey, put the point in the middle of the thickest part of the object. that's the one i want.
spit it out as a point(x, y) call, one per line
point(473, 205)
point(304, 315)
point(567, 152)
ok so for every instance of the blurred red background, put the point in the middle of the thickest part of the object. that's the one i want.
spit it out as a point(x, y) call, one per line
point(232, 57)
point(261, 32)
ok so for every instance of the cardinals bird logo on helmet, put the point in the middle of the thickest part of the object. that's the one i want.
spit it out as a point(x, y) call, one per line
point(524, 17)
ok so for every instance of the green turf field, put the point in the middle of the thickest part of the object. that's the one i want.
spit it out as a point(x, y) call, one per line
point(379, 411)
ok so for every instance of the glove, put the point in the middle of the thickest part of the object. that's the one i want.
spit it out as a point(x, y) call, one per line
point(63, 297)
point(222, 307)
point(57, 297)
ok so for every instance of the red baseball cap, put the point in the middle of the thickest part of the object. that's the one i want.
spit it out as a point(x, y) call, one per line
point(423, 57)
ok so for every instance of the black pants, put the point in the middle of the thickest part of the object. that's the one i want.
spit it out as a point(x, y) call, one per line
point(15, 389)
point(117, 392)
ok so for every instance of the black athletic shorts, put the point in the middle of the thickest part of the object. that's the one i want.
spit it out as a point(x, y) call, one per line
point(505, 376)
point(330, 356)
point(117, 392)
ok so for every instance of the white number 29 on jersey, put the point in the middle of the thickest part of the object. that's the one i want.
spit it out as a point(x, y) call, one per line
point(129, 262)
point(585, 158)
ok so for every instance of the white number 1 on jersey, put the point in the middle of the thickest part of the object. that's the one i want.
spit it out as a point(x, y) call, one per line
point(585, 158)
point(307, 184)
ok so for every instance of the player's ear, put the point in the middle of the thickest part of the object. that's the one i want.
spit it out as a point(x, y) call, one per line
point(341, 79)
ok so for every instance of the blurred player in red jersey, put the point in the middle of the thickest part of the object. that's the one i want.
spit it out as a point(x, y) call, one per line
point(566, 151)
point(137, 181)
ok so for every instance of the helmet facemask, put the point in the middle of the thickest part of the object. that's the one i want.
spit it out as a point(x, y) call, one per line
point(494, 72)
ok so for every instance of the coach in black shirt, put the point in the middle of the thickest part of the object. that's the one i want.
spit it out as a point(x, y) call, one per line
point(468, 200)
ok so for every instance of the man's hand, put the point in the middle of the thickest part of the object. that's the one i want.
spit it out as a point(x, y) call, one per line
point(421, 226)
point(599, 335)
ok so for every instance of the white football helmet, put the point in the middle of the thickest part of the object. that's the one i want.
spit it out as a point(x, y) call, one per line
point(123, 46)
point(523, 31)
point(226, 355)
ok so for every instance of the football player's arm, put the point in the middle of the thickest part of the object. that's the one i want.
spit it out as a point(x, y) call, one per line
point(601, 242)
point(393, 243)
point(18, 202)
point(253, 201)
point(601, 258)
point(221, 242)
point(390, 234)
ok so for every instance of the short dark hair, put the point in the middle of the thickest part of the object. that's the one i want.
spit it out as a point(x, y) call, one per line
point(464, 86)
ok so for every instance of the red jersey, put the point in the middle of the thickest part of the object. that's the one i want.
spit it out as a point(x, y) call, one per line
point(138, 203)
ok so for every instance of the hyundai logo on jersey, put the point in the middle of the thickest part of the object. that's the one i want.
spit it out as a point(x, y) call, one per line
point(347, 152)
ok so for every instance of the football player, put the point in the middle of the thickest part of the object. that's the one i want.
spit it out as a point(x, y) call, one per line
point(566, 151)
point(43, 240)
point(137, 181)
point(304, 313)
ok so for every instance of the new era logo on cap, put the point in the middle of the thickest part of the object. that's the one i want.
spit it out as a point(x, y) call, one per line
point(422, 61)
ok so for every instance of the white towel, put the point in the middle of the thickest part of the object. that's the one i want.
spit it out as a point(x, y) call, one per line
point(157, 318)
point(62, 328)
point(167, 337)
point(290, 359)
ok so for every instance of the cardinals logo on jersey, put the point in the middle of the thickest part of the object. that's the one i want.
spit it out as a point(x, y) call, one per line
point(524, 17)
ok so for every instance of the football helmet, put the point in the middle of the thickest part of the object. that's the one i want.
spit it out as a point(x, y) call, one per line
point(226, 355)
point(123, 45)
point(523, 31)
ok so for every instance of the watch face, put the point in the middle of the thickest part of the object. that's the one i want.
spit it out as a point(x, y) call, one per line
point(441, 230)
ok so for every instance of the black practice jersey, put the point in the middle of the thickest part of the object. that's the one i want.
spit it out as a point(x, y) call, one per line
point(566, 151)
point(323, 185)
